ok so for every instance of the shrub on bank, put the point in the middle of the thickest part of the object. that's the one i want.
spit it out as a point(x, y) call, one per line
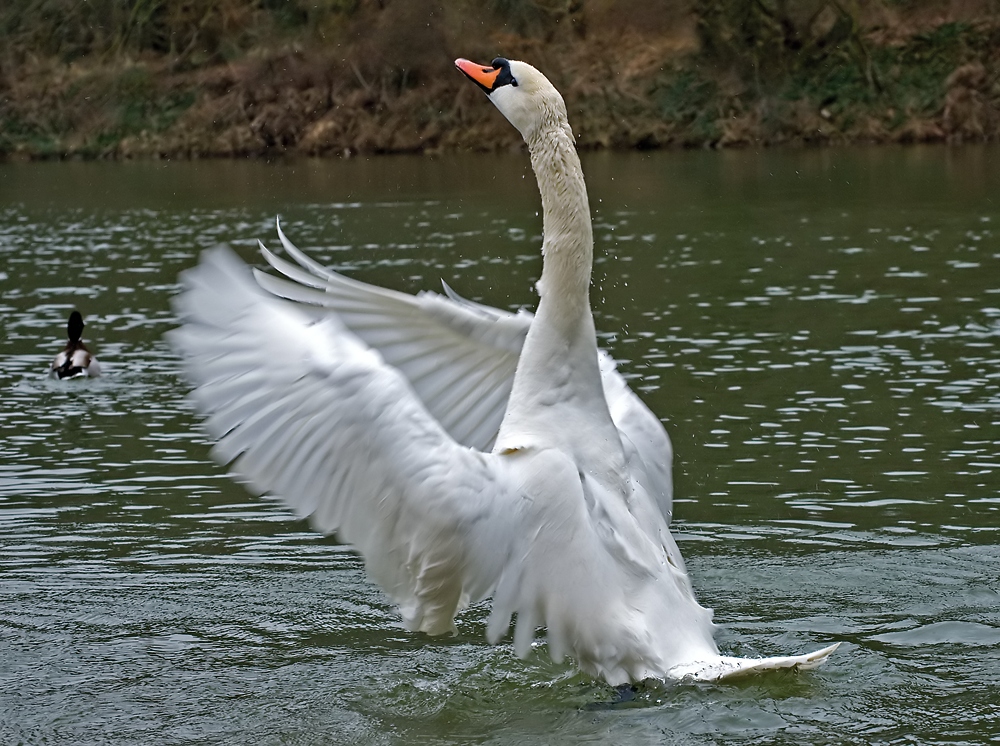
point(155, 78)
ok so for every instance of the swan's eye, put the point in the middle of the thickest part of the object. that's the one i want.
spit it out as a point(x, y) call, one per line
point(505, 77)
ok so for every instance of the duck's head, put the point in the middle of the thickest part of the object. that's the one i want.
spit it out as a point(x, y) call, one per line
point(521, 93)
point(74, 328)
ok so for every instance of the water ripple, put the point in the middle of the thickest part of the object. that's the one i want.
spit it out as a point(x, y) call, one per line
point(828, 371)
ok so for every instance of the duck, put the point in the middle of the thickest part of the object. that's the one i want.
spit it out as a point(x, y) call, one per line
point(466, 452)
point(75, 361)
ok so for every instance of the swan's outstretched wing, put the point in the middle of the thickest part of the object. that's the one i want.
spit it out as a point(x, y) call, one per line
point(648, 449)
point(460, 357)
point(308, 412)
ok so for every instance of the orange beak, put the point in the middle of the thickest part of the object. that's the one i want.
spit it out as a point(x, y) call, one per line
point(482, 75)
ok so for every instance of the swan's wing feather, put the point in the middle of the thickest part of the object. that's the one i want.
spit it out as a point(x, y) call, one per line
point(724, 668)
point(459, 356)
point(647, 446)
point(305, 411)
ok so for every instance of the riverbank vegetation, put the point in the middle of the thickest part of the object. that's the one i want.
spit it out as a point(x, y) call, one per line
point(223, 78)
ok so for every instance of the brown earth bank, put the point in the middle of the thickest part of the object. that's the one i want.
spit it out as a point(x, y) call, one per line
point(264, 78)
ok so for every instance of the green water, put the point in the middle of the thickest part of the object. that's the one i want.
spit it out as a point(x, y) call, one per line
point(818, 330)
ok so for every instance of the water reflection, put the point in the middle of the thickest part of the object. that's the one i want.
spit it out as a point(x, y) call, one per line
point(819, 331)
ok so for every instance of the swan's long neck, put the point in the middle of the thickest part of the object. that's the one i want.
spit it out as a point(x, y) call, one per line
point(568, 245)
point(557, 397)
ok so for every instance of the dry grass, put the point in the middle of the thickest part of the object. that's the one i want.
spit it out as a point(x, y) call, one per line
point(222, 78)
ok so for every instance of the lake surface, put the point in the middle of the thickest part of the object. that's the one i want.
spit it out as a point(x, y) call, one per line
point(818, 330)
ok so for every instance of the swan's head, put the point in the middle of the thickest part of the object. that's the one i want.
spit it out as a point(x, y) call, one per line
point(521, 93)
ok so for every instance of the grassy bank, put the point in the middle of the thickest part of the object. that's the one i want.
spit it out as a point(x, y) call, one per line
point(222, 78)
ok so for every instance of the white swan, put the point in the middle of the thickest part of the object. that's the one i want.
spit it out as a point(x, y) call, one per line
point(75, 361)
point(464, 451)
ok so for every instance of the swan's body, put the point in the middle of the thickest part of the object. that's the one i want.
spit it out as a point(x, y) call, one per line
point(465, 451)
point(75, 361)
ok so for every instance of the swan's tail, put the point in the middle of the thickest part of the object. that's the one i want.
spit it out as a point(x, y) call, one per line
point(726, 667)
